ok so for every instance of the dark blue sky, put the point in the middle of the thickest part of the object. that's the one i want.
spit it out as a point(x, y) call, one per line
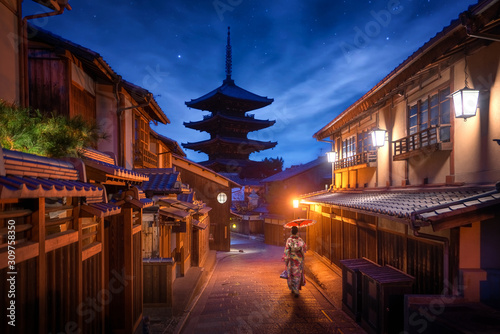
point(314, 57)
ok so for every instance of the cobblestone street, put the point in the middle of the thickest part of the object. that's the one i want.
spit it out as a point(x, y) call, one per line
point(246, 295)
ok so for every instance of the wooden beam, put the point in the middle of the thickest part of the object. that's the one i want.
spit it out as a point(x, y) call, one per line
point(91, 250)
point(39, 236)
point(25, 251)
point(128, 245)
point(462, 220)
point(59, 240)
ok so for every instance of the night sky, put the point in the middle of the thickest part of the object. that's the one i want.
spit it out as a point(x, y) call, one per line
point(314, 58)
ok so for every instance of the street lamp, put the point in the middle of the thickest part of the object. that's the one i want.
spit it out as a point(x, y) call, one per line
point(378, 137)
point(295, 203)
point(331, 156)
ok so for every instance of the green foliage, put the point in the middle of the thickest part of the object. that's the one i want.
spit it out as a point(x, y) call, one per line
point(54, 136)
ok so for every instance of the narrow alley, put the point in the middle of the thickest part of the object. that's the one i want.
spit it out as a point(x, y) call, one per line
point(246, 295)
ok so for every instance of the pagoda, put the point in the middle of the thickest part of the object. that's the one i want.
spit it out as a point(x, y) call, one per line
point(228, 124)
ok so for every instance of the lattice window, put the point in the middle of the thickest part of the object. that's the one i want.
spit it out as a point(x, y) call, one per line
point(433, 110)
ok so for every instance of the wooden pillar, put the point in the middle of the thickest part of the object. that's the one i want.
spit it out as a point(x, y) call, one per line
point(77, 225)
point(128, 246)
point(39, 236)
point(102, 277)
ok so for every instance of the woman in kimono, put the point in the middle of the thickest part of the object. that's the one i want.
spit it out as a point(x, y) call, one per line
point(295, 249)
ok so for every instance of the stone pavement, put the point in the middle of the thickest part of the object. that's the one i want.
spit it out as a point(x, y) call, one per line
point(245, 294)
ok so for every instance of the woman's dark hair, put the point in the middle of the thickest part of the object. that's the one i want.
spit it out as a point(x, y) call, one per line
point(295, 229)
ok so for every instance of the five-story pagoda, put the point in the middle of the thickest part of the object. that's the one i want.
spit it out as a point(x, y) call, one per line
point(228, 148)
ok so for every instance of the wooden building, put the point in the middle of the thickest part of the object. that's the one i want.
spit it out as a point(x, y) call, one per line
point(214, 190)
point(13, 47)
point(77, 254)
point(426, 201)
point(228, 124)
point(71, 80)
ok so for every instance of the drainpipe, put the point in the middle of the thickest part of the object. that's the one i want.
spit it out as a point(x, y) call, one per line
point(446, 250)
point(23, 55)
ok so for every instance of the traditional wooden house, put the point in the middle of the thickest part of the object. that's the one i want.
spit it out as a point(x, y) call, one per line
point(81, 83)
point(70, 246)
point(425, 202)
point(13, 47)
point(214, 190)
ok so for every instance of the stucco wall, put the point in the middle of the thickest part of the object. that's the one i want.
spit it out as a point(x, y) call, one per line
point(477, 156)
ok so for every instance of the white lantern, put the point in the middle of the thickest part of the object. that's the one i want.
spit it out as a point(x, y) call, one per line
point(465, 102)
point(331, 156)
point(378, 137)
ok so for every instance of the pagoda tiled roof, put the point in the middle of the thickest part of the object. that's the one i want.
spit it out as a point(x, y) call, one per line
point(229, 97)
point(214, 144)
point(247, 123)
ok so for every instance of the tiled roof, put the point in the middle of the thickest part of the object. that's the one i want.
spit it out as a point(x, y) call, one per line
point(228, 94)
point(173, 213)
point(102, 209)
point(162, 180)
point(200, 225)
point(213, 144)
point(113, 171)
point(24, 175)
point(98, 155)
point(419, 204)
point(32, 187)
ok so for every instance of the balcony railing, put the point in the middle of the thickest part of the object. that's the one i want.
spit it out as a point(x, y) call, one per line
point(356, 160)
point(428, 139)
point(144, 158)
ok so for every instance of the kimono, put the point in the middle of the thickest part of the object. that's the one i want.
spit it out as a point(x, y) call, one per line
point(295, 249)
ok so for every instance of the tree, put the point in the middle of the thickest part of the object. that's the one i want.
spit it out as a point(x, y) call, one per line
point(55, 136)
point(262, 169)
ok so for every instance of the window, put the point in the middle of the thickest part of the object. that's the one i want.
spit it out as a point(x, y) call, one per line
point(431, 111)
point(349, 147)
point(365, 142)
point(141, 131)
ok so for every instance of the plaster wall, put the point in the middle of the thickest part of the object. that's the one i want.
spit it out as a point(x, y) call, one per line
point(477, 156)
point(128, 128)
point(9, 52)
point(107, 119)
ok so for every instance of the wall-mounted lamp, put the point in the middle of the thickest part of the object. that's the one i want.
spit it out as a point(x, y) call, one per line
point(378, 137)
point(295, 203)
point(331, 156)
point(465, 102)
point(465, 99)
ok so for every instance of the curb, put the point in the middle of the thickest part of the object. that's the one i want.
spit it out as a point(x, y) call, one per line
point(205, 278)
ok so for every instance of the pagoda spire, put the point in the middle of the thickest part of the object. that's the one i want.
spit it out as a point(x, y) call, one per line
point(229, 61)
